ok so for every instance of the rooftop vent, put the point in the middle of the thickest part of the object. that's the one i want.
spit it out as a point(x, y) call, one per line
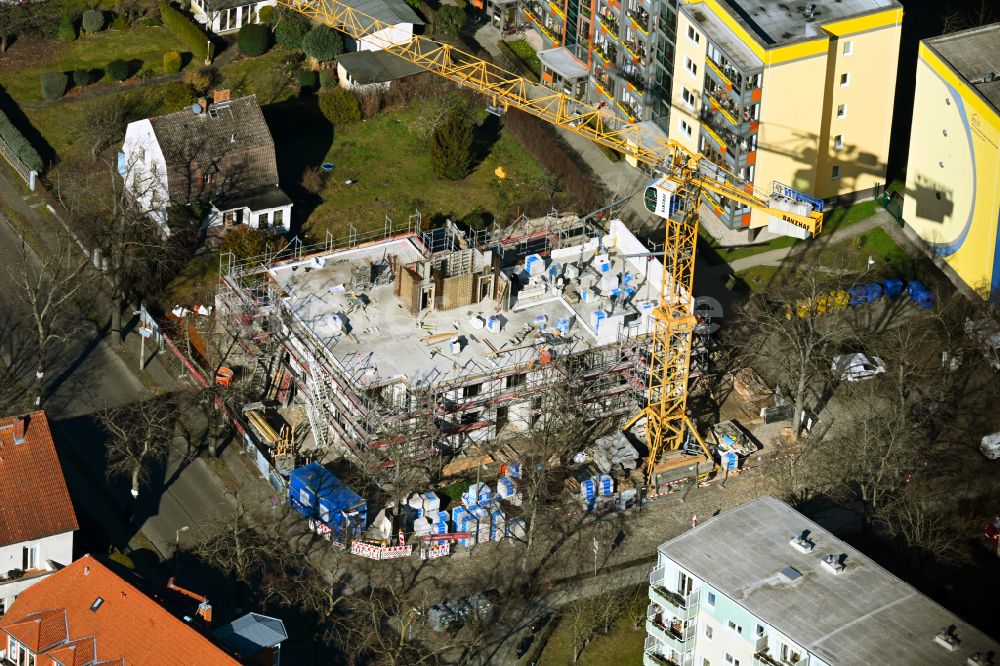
point(979, 659)
point(802, 543)
point(791, 574)
point(835, 563)
point(808, 10)
point(990, 77)
point(946, 638)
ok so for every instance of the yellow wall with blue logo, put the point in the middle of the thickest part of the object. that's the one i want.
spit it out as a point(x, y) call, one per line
point(952, 198)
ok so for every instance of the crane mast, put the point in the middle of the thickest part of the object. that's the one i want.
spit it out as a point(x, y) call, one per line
point(676, 195)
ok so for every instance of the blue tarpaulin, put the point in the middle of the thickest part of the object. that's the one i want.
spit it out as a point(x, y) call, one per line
point(316, 493)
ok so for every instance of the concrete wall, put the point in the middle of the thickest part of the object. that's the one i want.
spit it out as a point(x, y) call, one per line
point(57, 548)
point(952, 198)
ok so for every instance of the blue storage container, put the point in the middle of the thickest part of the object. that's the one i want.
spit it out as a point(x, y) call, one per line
point(587, 489)
point(873, 291)
point(858, 295)
point(316, 493)
point(893, 287)
point(607, 484)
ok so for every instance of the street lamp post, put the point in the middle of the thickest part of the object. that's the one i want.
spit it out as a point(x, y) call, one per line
point(177, 542)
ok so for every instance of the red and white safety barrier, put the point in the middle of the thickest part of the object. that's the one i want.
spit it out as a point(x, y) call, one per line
point(374, 552)
point(435, 552)
point(392, 552)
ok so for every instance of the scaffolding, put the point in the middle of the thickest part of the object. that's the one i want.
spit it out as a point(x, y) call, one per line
point(354, 411)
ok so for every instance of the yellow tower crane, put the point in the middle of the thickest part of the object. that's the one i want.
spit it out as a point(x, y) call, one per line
point(684, 179)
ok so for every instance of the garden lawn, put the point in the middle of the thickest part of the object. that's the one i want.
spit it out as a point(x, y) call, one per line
point(146, 44)
point(758, 278)
point(527, 55)
point(387, 159)
point(263, 76)
point(622, 645)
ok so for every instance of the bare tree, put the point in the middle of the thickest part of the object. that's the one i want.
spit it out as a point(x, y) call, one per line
point(790, 335)
point(140, 434)
point(48, 286)
point(927, 525)
point(17, 19)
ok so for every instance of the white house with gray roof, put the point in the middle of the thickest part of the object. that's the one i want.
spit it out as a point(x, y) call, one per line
point(225, 16)
point(762, 585)
point(398, 23)
point(219, 153)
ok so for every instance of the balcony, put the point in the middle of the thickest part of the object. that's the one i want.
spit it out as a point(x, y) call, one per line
point(640, 19)
point(606, 52)
point(636, 83)
point(610, 22)
point(629, 110)
point(764, 658)
point(557, 10)
point(657, 659)
point(636, 49)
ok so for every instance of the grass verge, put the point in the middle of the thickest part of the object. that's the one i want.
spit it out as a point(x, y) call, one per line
point(524, 55)
point(622, 645)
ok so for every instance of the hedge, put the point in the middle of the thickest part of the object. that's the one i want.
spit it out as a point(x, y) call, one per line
point(53, 85)
point(93, 21)
point(117, 70)
point(20, 145)
point(186, 30)
point(253, 39)
point(171, 62)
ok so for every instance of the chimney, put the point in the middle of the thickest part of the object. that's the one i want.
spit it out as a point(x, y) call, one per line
point(221, 95)
point(20, 424)
point(203, 103)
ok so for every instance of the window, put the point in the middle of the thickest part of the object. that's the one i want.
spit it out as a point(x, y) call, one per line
point(694, 35)
point(848, 47)
point(838, 142)
point(98, 602)
point(841, 111)
point(685, 128)
point(760, 630)
point(706, 662)
point(688, 97)
point(690, 66)
point(845, 80)
point(836, 172)
point(29, 557)
point(279, 217)
point(708, 631)
point(729, 658)
point(711, 598)
point(735, 627)
point(263, 220)
point(789, 654)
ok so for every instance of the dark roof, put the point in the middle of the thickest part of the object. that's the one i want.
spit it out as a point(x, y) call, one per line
point(975, 55)
point(261, 198)
point(248, 635)
point(35, 500)
point(376, 66)
point(392, 12)
point(230, 141)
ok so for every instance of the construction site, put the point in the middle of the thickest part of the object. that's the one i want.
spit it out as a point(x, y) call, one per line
point(427, 343)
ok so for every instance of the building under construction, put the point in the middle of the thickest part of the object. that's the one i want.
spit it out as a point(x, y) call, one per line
point(437, 339)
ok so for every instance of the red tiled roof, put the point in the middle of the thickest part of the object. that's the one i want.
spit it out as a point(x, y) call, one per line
point(41, 630)
point(35, 502)
point(127, 624)
point(75, 653)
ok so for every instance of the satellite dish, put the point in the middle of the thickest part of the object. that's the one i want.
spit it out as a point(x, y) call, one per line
point(196, 108)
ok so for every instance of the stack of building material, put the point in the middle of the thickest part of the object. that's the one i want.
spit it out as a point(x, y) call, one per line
point(749, 385)
point(498, 525)
point(505, 488)
point(614, 452)
point(515, 528)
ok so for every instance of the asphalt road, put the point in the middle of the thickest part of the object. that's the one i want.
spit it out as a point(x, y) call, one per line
point(84, 376)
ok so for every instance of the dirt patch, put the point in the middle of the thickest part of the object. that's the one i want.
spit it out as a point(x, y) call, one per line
point(27, 53)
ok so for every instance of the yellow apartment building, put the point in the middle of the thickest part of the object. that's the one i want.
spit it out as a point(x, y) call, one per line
point(789, 95)
point(952, 198)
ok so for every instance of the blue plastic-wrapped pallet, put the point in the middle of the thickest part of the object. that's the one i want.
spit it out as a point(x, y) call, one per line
point(562, 325)
point(873, 291)
point(858, 294)
point(514, 470)
point(893, 287)
point(587, 489)
point(922, 297)
point(607, 484)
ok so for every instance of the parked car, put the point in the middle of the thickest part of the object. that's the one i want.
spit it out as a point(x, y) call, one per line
point(992, 533)
point(524, 645)
point(857, 367)
point(990, 446)
point(537, 625)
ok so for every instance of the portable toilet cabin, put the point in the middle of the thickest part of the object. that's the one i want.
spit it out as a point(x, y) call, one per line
point(316, 493)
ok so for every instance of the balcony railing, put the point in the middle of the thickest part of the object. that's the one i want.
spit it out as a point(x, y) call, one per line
point(636, 49)
point(636, 83)
point(660, 659)
point(764, 658)
point(606, 52)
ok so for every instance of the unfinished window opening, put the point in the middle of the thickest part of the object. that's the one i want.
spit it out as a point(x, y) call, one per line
point(485, 287)
point(513, 380)
point(472, 391)
point(427, 297)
